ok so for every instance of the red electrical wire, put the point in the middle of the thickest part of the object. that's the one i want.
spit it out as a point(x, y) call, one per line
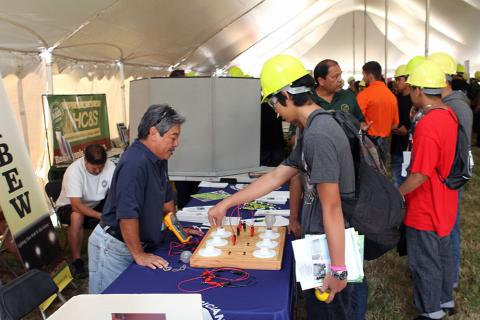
point(213, 280)
point(179, 246)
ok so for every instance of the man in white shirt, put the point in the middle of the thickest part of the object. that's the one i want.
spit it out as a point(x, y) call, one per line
point(84, 189)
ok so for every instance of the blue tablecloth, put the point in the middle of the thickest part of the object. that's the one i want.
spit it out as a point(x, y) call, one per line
point(269, 299)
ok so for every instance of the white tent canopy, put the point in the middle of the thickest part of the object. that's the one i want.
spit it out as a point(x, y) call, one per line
point(90, 39)
point(204, 35)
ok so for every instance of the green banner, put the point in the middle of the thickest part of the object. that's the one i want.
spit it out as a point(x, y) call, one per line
point(77, 121)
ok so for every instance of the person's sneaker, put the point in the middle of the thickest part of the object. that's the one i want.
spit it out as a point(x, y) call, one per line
point(79, 269)
point(449, 311)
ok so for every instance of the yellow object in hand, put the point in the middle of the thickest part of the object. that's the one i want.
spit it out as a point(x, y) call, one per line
point(322, 296)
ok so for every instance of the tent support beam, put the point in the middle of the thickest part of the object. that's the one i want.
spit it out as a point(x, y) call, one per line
point(353, 41)
point(427, 26)
point(122, 89)
point(386, 40)
point(364, 31)
point(47, 56)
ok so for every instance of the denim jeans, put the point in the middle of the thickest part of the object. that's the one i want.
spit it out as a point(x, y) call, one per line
point(397, 159)
point(431, 264)
point(359, 300)
point(455, 239)
point(107, 259)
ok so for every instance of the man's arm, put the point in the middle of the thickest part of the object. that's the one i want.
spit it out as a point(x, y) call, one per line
point(296, 191)
point(80, 207)
point(329, 196)
point(260, 187)
point(412, 182)
point(130, 233)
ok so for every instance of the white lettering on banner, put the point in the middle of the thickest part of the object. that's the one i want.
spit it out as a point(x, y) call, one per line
point(213, 310)
point(86, 119)
point(21, 203)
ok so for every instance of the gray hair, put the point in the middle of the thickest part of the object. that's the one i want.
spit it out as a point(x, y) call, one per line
point(161, 116)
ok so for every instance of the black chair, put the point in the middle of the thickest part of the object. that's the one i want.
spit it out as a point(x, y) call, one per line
point(22, 295)
point(53, 189)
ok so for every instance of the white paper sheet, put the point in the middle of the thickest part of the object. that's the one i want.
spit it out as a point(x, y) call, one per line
point(312, 259)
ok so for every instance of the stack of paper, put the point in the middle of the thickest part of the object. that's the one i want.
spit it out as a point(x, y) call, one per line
point(261, 212)
point(312, 258)
point(194, 214)
point(209, 184)
point(275, 197)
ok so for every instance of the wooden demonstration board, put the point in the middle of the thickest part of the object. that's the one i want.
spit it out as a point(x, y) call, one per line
point(241, 255)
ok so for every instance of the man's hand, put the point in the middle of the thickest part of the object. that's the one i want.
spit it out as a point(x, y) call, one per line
point(365, 126)
point(150, 261)
point(194, 231)
point(295, 228)
point(333, 286)
point(216, 215)
point(400, 131)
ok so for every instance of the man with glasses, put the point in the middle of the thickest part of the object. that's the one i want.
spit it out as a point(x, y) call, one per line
point(140, 193)
point(324, 154)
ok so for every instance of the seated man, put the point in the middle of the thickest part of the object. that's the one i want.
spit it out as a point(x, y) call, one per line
point(84, 189)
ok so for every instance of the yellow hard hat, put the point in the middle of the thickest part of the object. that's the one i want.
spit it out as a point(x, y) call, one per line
point(362, 83)
point(460, 68)
point(278, 72)
point(477, 75)
point(427, 74)
point(445, 61)
point(350, 79)
point(235, 72)
point(401, 71)
point(191, 74)
point(413, 63)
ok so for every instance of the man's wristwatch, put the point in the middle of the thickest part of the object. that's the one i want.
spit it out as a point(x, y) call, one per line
point(339, 275)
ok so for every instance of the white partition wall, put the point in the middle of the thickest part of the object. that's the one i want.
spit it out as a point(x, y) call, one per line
point(222, 132)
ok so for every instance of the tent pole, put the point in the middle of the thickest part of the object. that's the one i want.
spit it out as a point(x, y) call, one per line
point(353, 42)
point(427, 25)
point(364, 31)
point(122, 88)
point(21, 104)
point(46, 56)
point(386, 39)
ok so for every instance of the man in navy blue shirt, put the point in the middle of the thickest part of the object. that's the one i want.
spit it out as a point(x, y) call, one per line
point(139, 195)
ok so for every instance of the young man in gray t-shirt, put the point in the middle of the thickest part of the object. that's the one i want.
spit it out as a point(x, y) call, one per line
point(324, 154)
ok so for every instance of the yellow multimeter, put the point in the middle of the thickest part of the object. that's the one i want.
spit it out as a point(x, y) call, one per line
point(174, 225)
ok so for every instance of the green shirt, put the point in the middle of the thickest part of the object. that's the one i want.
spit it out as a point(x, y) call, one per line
point(344, 100)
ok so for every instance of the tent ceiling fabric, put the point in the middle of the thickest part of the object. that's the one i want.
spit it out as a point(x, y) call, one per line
point(206, 35)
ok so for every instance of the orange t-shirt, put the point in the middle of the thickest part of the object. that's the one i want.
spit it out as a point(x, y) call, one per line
point(378, 104)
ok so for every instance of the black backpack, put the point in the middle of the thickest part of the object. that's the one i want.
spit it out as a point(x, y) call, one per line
point(462, 166)
point(377, 210)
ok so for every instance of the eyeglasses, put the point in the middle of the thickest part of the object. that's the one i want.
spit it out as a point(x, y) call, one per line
point(272, 101)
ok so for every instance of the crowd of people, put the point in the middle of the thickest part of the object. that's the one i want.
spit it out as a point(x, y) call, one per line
point(417, 115)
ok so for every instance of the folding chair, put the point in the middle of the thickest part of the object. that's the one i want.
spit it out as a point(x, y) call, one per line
point(53, 189)
point(22, 295)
